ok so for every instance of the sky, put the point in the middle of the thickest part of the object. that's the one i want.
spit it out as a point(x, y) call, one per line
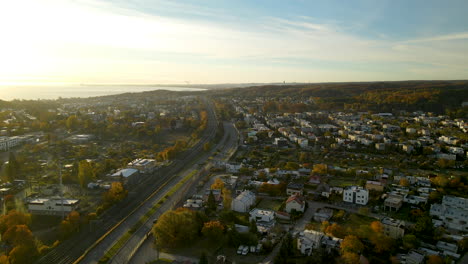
point(241, 41)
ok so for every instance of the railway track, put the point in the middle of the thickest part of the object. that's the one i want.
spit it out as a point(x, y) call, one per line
point(72, 250)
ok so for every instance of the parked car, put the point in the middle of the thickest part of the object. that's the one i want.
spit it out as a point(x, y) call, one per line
point(259, 248)
point(253, 249)
point(240, 249)
point(245, 251)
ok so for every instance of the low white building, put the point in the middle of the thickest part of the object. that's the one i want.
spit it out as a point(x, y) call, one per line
point(453, 212)
point(143, 165)
point(243, 202)
point(356, 194)
point(52, 206)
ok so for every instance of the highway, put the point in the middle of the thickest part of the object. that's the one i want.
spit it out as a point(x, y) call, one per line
point(143, 251)
point(88, 245)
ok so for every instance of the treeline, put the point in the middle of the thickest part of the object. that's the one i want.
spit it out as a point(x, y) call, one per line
point(282, 107)
point(434, 96)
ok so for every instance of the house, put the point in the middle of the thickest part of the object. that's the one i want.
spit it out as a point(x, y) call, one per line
point(323, 214)
point(128, 176)
point(52, 206)
point(233, 168)
point(280, 142)
point(374, 186)
point(295, 188)
point(393, 228)
point(314, 179)
point(453, 212)
point(356, 194)
point(415, 257)
point(415, 199)
point(295, 202)
point(261, 215)
point(393, 203)
point(379, 146)
point(265, 219)
point(311, 239)
point(407, 148)
point(243, 202)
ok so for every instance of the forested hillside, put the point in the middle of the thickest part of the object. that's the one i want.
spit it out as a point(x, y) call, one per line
point(431, 96)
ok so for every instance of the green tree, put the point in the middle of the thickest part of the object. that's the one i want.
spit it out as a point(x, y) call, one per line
point(72, 122)
point(176, 228)
point(85, 173)
point(253, 227)
point(434, 259)
point(12, 168)
point(227, 198)
point(410, 241)
point(286, 251)
point(211, 203)
point(336, 230)
point(115, 194)
point(351, 244)
point(218, 184)
point(207, 146)
point(320, 168)
point(13, 218)
point(213, 230)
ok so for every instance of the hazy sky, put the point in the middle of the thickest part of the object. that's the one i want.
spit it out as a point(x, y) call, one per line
point(215, 41)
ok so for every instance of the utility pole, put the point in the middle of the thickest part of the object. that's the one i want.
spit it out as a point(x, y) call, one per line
point(61, 189)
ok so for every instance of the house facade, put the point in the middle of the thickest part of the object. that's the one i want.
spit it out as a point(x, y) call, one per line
point(453, 212)
point(295, 202)
point(311, 239)
point(356, 195)
point(243, 202)
point(52, 206)
point(393, 228)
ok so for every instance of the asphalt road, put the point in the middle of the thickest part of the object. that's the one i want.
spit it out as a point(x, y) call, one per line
point(70, 250)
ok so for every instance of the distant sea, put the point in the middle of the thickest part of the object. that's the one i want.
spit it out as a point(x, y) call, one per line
point(54, 92)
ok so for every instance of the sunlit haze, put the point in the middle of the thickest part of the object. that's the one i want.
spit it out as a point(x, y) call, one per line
point(171, 42)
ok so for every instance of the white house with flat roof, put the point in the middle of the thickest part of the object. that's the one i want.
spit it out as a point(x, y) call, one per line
point(453, 212)
point(52, 206)
point(265, 219)
point(356, 194)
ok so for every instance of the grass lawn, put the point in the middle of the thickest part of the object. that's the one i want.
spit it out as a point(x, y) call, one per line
point(270, 204)
point(354, 221)
point(342, 182)
point(195, 249)
point(212, 250)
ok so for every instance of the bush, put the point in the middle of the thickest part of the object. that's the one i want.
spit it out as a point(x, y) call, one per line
point(99, 210)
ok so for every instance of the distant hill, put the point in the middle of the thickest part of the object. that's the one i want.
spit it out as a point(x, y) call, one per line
point(431, 96)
